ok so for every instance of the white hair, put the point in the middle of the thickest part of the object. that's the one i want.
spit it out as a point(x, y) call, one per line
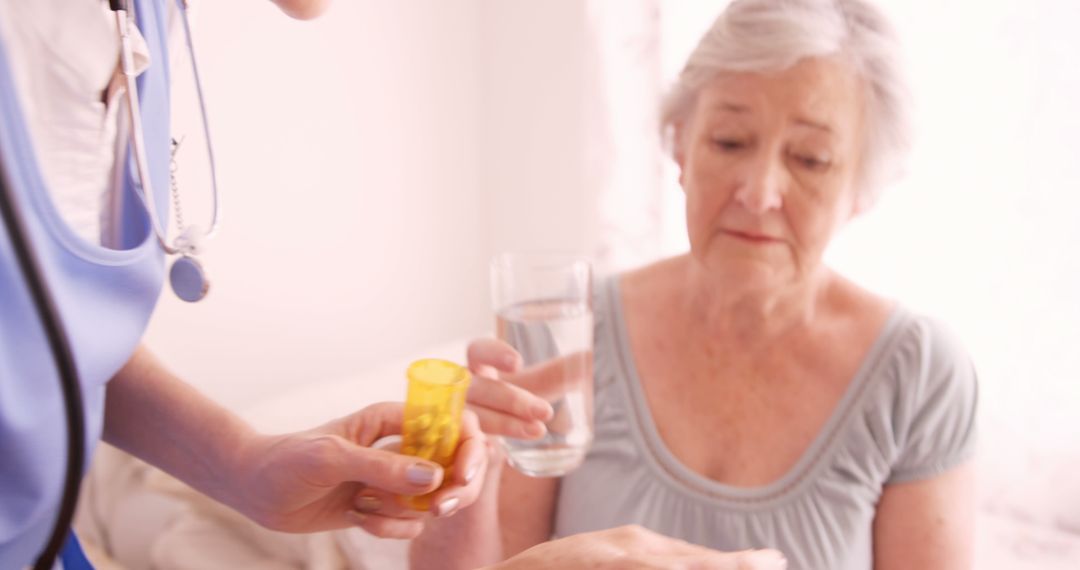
point(773, 35)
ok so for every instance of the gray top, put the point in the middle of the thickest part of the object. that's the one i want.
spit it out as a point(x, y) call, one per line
point(909, 413)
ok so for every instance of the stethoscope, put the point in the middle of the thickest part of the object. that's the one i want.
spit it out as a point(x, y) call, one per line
point(187, 276)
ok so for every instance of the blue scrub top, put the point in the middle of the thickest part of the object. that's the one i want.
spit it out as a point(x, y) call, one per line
point(104, 298)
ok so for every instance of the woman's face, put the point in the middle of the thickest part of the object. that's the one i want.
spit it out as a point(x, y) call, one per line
point(768, 163)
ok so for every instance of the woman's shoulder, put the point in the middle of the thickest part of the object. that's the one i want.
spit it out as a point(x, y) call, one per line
point(918, 357)
point(625, 295)
point(921, 389)
point(926, 342)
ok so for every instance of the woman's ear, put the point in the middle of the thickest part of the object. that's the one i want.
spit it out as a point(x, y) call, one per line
point(859, 204)
point(678, 148)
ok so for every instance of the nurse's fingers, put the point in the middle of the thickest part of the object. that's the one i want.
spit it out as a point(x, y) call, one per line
point(352, 459)
point(391, 472)
point(470, 465)
point(470, 468)
point(381, 503)
point(471, 457)
point(385, 527)
point(374, 422)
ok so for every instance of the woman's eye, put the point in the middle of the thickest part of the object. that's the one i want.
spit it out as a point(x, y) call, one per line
point(811, 162)
point(730, 145)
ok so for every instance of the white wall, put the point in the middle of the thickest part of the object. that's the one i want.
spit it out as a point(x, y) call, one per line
point(983, 230)
point(533, 125)
point(370, 163)
point(348, 165)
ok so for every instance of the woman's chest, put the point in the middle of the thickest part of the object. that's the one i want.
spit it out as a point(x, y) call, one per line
point(626, 479)
point(741, 420)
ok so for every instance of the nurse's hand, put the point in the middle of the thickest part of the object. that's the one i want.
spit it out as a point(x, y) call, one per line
point(318, 479)
point(636, 547)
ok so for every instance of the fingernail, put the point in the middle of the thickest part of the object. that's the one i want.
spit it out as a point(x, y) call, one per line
point(470, 474)
point(542, 411)
point(368, 504)
point(446, 507)
point(420, 474)
point(533, 430)
point(354, 517)
point(766, 559)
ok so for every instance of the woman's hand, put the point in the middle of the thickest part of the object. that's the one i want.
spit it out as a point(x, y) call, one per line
point(330, 477)
point(635, 547)
point(505, 408)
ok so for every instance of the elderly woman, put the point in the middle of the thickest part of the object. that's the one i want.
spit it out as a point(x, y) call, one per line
point(747, 395)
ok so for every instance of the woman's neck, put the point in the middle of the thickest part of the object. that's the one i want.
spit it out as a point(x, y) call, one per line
point(752, 316)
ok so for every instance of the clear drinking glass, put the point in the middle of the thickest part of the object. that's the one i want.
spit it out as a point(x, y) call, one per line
point(543, 308)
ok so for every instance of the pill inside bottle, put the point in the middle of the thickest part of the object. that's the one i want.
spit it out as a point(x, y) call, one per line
point(432, 425)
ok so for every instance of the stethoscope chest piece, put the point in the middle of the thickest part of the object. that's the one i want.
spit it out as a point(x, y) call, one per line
point(188, 279)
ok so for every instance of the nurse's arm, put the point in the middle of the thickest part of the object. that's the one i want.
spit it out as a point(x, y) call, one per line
point(295, 482)
point(155, 416)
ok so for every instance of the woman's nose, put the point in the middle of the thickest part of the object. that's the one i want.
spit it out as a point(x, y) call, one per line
point(762, 186)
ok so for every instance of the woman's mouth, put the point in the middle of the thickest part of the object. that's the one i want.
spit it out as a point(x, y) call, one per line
point(752, 237)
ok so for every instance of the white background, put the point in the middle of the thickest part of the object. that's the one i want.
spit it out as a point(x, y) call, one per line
point(370, 163)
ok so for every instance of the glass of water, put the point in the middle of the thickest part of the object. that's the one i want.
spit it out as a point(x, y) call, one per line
point(543, 308)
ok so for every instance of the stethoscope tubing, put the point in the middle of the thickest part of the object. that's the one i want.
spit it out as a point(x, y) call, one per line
point(215, 205)
point(67, 373)
point(138, 146)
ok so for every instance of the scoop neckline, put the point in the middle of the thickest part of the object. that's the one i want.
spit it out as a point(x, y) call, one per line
point(684, 479)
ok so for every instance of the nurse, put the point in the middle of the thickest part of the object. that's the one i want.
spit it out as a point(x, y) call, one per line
point(73, 193)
